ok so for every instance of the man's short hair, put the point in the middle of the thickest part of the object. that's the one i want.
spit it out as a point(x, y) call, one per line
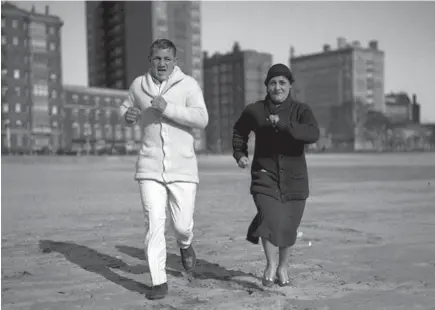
point(163, 44)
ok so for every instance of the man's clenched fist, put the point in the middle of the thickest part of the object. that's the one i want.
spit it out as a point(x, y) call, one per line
point(159, 103)
point(132, 115)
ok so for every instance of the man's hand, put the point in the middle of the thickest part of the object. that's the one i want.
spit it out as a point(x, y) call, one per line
point(132, 115)
point(243, 162)
point(159, 103)
point(274, 119)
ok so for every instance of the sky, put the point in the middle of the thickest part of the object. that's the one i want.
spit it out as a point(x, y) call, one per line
point(405, 31)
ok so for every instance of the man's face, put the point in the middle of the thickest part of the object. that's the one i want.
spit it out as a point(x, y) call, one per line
point(278, 88)
point(162, 62)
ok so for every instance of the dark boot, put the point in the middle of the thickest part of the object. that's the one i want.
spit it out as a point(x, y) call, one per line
point(188, 258)
point(158, 291)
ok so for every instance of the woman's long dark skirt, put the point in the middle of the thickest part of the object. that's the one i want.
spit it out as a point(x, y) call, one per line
point(276, 221)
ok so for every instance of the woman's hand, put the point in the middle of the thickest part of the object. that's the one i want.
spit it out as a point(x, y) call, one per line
point(243, 162)
point(274, 119)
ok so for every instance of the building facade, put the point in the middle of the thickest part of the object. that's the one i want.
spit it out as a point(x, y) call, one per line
point(31, 79)
point(332, 81)
point(232, 81)
point(119, 35)
point(400, 109)
point(92, 122)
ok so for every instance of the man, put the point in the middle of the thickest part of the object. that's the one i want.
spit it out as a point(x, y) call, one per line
point(170, 104)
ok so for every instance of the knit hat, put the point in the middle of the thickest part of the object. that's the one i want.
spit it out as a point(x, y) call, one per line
point(279, 70)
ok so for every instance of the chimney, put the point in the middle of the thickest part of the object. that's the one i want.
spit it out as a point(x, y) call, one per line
point(326, 47)
point(373, 44)
point(47, 10)
point(341, 42)
point(414, 99)
point(33, 9)
point(292, 52)
point(356, 43)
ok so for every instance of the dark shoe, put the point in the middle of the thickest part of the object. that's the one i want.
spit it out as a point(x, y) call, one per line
point(158, 292)
point(283, 283)
point(188, 258)
point(267, 282)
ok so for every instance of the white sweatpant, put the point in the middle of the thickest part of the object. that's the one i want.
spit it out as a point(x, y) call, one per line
point(156, 196)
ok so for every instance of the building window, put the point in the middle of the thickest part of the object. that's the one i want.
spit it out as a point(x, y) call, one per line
point(54, 94)
point(4, 72)
point(55, 124)
point(5, 107)
point(87, 129)
point(54, 110)
point(15, 41)
point(76, 130)
point(119, 84)
point(39, 44)
point(128, 132)
point(4, 40)
point(75, 112)
point(108, 113)
point(14, 23)
point(97, 131)
point(53, 76)
point(118, 132)
point(16, 74)
point(17, 91)
point(52, 46)
point(18, 124)
point(75, 97)
point(52, 30)
point(18, 108)
point(108, 131)
point(97, 115)
point(37, 29)
point(40, 90)
point(4, 90)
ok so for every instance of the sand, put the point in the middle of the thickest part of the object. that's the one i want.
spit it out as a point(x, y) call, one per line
point(72, 237)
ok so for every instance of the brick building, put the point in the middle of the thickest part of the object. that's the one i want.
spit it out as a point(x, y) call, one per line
point(331, 82)
point(31, 79)
point(92, 121)
point(400, 109)
point(231, 81)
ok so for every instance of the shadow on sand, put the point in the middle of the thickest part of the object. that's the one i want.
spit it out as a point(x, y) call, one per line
point(94, 261)
point(204, 270)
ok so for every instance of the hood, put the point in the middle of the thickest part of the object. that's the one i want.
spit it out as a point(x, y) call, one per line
point(147, 81)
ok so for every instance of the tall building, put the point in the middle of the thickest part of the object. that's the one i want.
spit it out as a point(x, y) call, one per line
point(119, 35)
point(31, 79)
point(231, 81)
point(331, 80)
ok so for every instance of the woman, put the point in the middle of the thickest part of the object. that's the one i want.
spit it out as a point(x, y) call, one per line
point(279, 178)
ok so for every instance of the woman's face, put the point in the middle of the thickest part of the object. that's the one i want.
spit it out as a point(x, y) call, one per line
point(279, 88)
